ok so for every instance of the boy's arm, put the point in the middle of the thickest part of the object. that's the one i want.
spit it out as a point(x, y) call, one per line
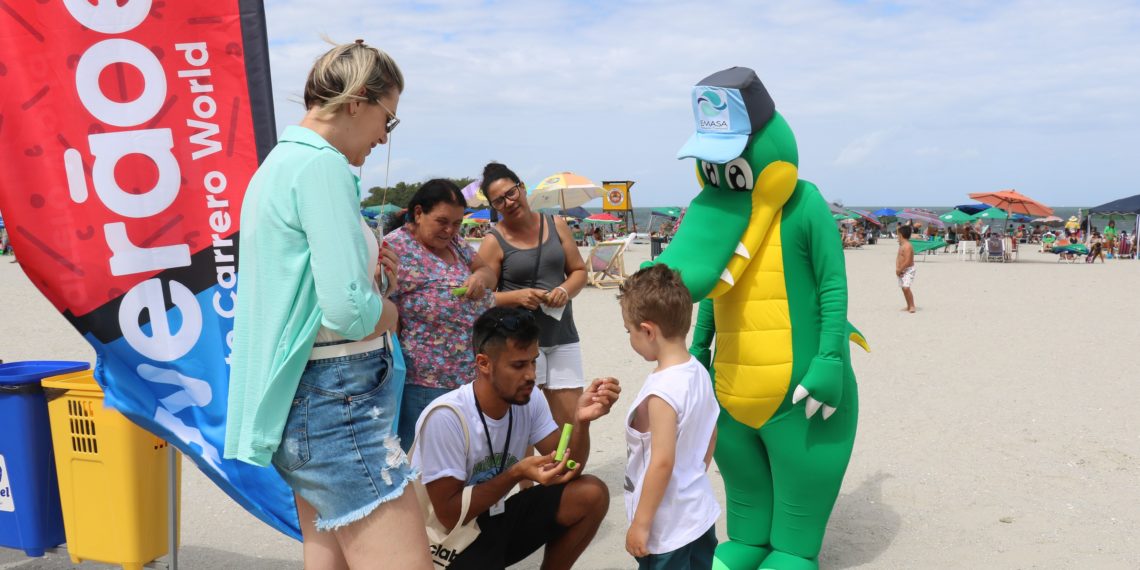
point(712, 448)
point(663, 450)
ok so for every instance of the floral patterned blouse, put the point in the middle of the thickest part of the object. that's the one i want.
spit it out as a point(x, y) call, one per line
point(435, 326)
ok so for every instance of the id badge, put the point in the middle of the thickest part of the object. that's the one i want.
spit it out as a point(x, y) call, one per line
point(499, 507)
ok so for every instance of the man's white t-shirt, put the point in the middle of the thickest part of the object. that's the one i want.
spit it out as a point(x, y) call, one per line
point(439, 447)
point(689, 506)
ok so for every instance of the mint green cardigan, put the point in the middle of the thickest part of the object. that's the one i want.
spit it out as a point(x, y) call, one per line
point(303, 263)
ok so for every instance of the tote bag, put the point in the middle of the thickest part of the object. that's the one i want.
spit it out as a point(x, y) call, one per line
point(445, 544)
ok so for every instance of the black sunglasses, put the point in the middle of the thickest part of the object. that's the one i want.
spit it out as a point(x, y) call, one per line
point(508, 323)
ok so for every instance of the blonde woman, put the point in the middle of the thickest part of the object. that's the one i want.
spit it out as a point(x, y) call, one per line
point(310, 385)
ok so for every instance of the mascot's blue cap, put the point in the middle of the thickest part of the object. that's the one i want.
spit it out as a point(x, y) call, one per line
point(729, 106)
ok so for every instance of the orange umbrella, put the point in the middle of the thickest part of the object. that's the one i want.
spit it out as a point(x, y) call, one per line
point(1013, 202)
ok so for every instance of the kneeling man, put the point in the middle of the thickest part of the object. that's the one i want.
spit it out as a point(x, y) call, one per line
point(505, 415)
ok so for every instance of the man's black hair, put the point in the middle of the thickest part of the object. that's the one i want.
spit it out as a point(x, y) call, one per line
point(905, 231)
point(498, 324)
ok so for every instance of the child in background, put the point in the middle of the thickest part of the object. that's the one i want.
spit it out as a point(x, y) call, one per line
point(904, 267)
point(670, 432)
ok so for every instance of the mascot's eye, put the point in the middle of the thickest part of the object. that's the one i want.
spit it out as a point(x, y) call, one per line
point(709, 170)
point(738, 175)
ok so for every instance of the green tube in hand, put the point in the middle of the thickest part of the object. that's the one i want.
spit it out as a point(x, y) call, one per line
point(571, 465)
point(565, 441)
point(459, 291)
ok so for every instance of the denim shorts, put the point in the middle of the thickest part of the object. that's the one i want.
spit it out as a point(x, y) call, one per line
point(416, 399)
point(338, 451)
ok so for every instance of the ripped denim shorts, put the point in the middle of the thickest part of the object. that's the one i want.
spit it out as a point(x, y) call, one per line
point(339, 450)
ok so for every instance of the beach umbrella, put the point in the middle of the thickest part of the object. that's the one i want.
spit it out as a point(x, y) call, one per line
point(474, 194)
point(563, 190)
point(383, 209)
point(885, 213)
point(972, 209)
point(603, 219)
point(865, 215)
point(473, 221)
point(920, 215)
point(841, 216)
point(993, 214)
point(1049, 221)
point(956, 217)
point(575, 212)
point(482, 215)
point(1013, 202)
point(670, 212)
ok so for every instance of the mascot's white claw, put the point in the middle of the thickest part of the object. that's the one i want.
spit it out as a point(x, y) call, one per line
point(799, 394)
point(812, 406)
point(827, 411)
point(727, 277)
point(742, 251)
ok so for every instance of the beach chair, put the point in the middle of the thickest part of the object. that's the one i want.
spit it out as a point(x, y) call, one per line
point(993, 250)
point(1047, 242)
point(605, 266)
point(967, 249)
point(1009, 249)
point(1125, 250)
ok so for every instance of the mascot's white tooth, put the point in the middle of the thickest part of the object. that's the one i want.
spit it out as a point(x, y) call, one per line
point(727, 277)
point(742, 251)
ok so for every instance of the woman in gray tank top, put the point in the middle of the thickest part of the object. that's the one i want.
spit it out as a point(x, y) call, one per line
point(538, 265)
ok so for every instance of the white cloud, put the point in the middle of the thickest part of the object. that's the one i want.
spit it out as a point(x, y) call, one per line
point(602, 89)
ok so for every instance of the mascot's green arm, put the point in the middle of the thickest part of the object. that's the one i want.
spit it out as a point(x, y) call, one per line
point(823, 381)
point(703, 333)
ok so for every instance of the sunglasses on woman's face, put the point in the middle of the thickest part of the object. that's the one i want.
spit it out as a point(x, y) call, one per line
point(511, 194)
point(393, 120)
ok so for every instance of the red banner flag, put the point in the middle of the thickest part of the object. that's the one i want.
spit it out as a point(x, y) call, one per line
point(128, 133)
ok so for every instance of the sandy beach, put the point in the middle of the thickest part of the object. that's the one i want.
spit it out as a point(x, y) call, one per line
point(998, 424)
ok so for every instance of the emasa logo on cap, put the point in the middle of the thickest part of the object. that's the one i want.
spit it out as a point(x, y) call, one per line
point(712, 109)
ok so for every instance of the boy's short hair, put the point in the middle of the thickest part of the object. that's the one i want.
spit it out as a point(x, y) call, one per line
point(498, 324)
point(904, 231)
point(657, 294)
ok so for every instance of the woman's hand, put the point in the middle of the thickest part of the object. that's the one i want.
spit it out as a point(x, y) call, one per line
point(389, 264)
point(557, 297)
point(476, 289)
point(530, 298)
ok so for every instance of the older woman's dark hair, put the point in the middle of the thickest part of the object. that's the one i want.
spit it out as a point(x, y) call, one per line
point(433, 192)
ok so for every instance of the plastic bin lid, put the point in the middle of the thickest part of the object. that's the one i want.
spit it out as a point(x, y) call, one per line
point(32, 371)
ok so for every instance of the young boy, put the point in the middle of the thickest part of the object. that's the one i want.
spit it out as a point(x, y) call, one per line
point(904, 266)
point(670, 432)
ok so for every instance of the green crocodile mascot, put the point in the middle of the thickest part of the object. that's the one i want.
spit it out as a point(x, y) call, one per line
point(759, 250)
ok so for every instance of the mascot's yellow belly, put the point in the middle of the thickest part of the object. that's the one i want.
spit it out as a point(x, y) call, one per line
point(753, 362)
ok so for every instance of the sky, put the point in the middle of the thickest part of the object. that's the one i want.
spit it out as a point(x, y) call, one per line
point(902, 103)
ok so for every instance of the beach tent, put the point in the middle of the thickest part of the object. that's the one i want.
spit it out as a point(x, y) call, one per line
point(1123, 207)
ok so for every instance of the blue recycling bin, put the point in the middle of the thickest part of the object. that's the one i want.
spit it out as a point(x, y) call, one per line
point(30, 515)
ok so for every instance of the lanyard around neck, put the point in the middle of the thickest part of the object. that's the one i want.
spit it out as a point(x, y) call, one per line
point(487, 433)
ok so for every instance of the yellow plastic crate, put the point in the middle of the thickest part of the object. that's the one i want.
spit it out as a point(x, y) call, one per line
point(113, 476)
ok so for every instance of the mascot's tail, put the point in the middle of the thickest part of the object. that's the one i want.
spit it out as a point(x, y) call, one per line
point(857, 337)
